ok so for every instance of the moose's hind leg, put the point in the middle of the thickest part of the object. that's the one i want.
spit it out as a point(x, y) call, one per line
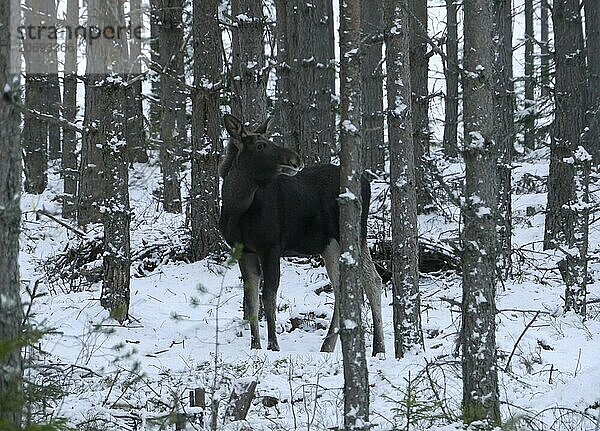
point(372, 285)
point(331, 256)
point(250, 269)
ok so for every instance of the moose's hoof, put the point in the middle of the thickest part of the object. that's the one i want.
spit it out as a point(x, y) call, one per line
point(273, 345)
point(255, 344)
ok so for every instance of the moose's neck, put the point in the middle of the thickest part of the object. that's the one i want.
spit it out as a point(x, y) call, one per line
point(237, 193)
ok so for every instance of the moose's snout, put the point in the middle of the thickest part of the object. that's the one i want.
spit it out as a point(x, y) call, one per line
point(292, 165)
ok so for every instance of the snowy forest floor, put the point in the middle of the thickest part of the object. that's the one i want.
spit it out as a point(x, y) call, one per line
point(186, 324)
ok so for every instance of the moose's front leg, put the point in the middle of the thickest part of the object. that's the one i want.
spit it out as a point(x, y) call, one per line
point(250, 269)
point(271, 272)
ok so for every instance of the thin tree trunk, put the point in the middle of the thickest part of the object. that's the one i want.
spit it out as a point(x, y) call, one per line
point(171, 135)
point(136, 128)
point(567, 213)
point(592, 33)
point(405, 262)
point(505, 130)
point(116, 211)
point(35, 132)
point(249, 80)
point(356, 376)
point(306, 92)
point(69, 147)
point(544, 50)
point(452, 79)
point(51, 90)
point(419, 63)
point(478, 334)
point(372, 85)
point(529, 126)
point(11, 311)
point(206, 145)
point(155, 107)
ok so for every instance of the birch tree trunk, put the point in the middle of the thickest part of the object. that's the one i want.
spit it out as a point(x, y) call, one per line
point(504, 131)
point(11, 312)
point(372, 85)
point(478, 334)
point(206, 128)
point(405, 262)
point(452, 78)
point(356, 376)
point(567, 212)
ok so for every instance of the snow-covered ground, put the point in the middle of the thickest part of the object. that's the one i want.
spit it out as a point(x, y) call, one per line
point(186, 332)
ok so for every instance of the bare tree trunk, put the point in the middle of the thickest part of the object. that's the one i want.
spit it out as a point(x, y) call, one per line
point(106, 77)
point(372, 85)
point(592, 33)
point(504, 132)
point(249, 80)
point(91, 168)
point(206, 129)
point(356, 376)
point(419, 63)
point(452, 79)
point(51, 90)
point(116, 211)
point(35, 132)
point(544, 50)
point(529, 125)
point(405, 260)
point(478, 334)
point(172, 135)
point(11, 311)
point(154, 99)
point(567, 214)
point(306, 92)
point(69, 136)
point(136, 128)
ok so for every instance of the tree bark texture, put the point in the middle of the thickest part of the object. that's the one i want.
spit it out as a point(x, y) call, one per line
point(405, 262)
point(249, 75)
point(69, 136)
point(478, 334)
point(504, 132)
point(529, 124)
point(567, 213)
point(136, 129)
point(172, 133)
point(11, 311)
point(592, 36)
point(372, 24)
point(206, 129)
point(356, 376)
point(545, 54)
point(452, 79)
point(35, 132)
point(306, 91)
point(419, 78)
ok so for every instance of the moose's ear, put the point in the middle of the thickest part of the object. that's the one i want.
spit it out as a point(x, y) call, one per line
point(234, 127)
point(266, 127)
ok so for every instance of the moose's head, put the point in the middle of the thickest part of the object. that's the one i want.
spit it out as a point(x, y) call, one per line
point(257, 156)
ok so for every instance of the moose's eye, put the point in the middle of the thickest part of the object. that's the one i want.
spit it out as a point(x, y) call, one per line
point(260, 146)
